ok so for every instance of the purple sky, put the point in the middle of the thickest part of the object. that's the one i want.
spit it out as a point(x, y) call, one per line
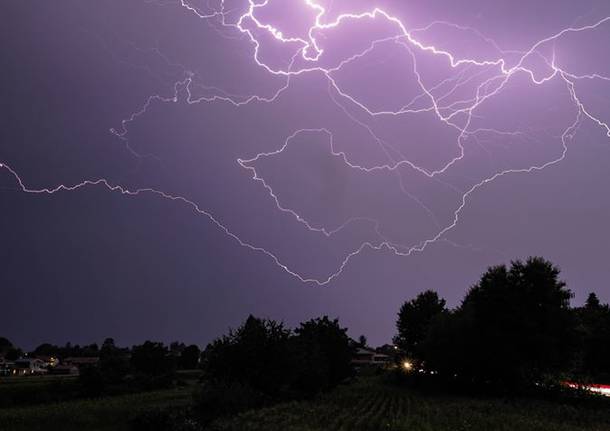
point(184, 164)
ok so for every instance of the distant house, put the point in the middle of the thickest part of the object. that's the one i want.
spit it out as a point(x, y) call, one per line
point(49, 361)
point(388, 349)
point(367, 357)
point(28, 367)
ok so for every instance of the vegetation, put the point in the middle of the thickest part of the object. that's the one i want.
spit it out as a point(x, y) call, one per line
point(262, 363)
point(372, 405)
point(323, 355)
point(39, 390)
point(100, 414)
point(593, 332)
point(368, 404)
point(414, 320)
point(9, 351)
point(514, 340)
point(513, 331)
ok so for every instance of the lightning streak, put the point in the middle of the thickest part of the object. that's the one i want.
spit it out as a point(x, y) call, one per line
point(491, 77)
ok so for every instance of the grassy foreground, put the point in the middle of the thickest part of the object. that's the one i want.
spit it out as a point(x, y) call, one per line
point(370, 405)
point(366, 405)
point(104, 414)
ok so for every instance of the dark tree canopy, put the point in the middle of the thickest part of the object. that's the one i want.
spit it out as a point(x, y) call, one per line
point(593, 302)
point(176, 347)
point(254, 354)
point(9, 351)
point(5, 344)
point(522, 321)
point(513, 328)
point(594, 336)
point(324, 354)
point(269, 359)
point(114, 363)
point(13, 354)
point(152, 359)
point(414, 319)
point(189, 357)
point(108, 344)
point(47, 349)
point(362, 341)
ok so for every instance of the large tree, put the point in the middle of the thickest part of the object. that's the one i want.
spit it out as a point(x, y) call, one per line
point(265, 357)
point(514, 327)
point(255, 355)
point(414, 320)
point(324, 353)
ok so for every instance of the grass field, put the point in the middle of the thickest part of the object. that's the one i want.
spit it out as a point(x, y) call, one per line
point(20, 391)
point(370, 405)
point(104, 414)
point(366, 405)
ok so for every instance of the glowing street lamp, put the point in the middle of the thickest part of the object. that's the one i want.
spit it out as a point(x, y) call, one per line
point(407, 365)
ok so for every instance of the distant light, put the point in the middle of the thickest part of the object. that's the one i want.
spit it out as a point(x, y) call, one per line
point(595, 388)
point(407, 365)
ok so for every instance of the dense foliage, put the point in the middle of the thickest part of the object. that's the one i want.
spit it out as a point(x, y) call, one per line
point(513, 330)
point(593, 329)
point(262, 362)
point(414, 319)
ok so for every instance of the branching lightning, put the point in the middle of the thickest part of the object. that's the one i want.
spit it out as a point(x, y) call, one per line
point(494, 75)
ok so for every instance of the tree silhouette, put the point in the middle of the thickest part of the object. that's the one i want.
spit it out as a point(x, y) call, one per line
point(362, 341)
point(254, 355)
point(514, 328)
point(414, 319)
point(152, 359)
point(594, 335)
point(324, 354)
point(5, 344)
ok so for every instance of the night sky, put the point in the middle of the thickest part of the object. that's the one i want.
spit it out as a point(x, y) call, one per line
point(168, 168)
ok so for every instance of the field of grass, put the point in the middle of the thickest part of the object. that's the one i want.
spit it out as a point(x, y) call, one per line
point(104, 414)
point(19, 391)
point(370, 405)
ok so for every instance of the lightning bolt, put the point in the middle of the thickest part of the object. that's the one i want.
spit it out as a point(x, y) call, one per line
point(491, 77)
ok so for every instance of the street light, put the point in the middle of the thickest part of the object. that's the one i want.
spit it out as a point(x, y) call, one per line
point(407, 365)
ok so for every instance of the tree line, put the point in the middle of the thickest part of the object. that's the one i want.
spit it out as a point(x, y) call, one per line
point(261, 362)
point(514, 329)
point(181, 356)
